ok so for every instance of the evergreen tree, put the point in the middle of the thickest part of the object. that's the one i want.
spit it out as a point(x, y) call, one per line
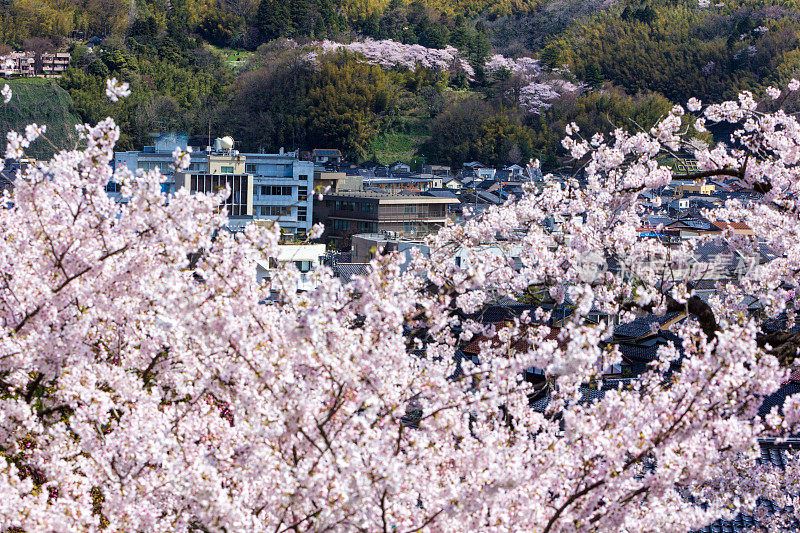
point(273, 19)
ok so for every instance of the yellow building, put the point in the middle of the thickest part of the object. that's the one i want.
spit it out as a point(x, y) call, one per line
point(701, 188)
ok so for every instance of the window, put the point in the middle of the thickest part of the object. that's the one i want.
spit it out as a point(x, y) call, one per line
point(250, 168)
point(411, 209)
point(112, 186)
point(149, 165)
point(226, 170)
point(303, 177)
point(276, 190)
point(302, 213)
point(272, 211)
point(302, 193)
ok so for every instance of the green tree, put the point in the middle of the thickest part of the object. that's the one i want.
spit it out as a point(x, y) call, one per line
point(273, 19)
point(347, 104)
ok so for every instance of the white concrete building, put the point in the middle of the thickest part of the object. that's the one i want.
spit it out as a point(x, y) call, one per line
point(305, 257)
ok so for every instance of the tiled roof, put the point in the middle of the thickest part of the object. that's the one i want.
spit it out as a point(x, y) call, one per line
point(474, 347)
point(775, 455)
point(347, 271)
point(324, 152)
point(641, 326)
point(778, 397)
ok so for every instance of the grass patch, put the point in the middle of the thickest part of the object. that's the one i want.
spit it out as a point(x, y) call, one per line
point(40, 101)
point(390, 147)
point(231, 56)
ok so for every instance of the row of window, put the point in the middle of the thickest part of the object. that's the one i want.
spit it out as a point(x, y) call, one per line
point(274, 210)
point(284, 190)
point(282, 211)
point(356, 225)
point(280, 171)
point(361, 207)
point(276, 190)
point(213, 183)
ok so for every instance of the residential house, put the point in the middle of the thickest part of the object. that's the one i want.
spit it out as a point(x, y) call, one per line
point(323, 156)
point(453, 183)
point(305, 257)
point(18, 64)
point(436, 170)
point(399, 166)
point(515, 171)
point(52, 64)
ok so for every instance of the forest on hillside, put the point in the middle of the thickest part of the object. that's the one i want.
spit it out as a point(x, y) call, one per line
point(505, 78)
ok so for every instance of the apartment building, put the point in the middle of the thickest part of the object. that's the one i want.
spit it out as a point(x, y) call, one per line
point(347, 213)
point(22, 64)
point(18, 64)
point(281, 186)
point(52, 64)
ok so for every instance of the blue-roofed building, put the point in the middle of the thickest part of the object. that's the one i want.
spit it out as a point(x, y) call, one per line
point(322, 156)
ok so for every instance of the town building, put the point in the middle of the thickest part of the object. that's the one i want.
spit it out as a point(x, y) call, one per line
point(694, 187)
point(18, 64)
point(323, 156)
point(224, 169)
point(329, 182)
point(306, 258)
point(436, 170)
point(347, 213)
point(23, 64)
point(280, 185)
point(52, 64)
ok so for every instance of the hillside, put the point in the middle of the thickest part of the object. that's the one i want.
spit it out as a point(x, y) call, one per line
point(40, 101)
point(444, 80)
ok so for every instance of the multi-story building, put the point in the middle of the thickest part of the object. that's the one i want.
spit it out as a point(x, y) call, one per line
point(283, 190)
point(224, 168)
point(18, 64)
point(52, 64)
point(281, 185)
point(347, 213)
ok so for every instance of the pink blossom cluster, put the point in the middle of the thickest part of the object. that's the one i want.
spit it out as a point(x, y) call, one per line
point(392, 54)
point(542, 88)
point(538, 96)
point(522, 65)
point(148, 382)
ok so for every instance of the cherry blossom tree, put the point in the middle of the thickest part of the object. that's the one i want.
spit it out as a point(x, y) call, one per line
point(541, 88)
point(150, 384)
point(392, 54)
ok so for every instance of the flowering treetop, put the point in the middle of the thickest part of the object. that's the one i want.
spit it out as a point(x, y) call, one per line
point(392, 54)
point(149, 383)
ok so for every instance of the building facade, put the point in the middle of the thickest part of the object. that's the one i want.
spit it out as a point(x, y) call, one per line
point(18, 64)
point(48, 64)
point(348, 213)
point(52, 64)
point(281, 186)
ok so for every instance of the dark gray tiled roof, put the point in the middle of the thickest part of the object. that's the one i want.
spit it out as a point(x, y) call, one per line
point(347, 271)
point(641, 326)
